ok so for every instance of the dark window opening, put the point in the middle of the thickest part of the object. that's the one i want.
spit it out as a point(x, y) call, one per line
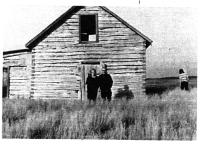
point(88, 28)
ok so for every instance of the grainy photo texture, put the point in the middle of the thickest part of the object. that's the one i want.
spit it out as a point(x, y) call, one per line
point(103, 73)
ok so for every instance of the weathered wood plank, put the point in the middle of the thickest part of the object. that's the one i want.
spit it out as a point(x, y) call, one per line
point(125, 71)
point(57, 95)
point(56, 88)
point(54, 92)
point(113, 60)
point(108, 62)
point(102, 50)
point(94, 56)
point(60, 46)
point(108, 44)
point(88, 54)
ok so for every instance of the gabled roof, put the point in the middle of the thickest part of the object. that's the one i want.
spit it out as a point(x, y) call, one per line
point(60, 20)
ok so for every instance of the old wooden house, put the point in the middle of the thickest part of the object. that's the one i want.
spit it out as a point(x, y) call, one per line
point(57, 61)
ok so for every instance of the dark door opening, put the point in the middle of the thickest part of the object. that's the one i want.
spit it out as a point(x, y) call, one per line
point(86, 68)
point(5, 89)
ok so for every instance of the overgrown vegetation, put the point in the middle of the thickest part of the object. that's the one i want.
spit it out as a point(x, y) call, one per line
point(171, 116)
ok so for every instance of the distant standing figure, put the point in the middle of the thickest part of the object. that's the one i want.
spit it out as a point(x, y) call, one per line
point(105, 84)
point(92, 86)
point(183, 77)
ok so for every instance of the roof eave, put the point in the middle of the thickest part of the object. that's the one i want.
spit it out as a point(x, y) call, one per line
point(148, 40)
point(16, 51)
point(148, 43)
point(38, 38)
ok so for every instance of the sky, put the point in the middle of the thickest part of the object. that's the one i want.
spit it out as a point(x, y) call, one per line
point(172, 29)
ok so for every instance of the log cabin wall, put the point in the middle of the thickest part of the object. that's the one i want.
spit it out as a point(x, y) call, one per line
point(19, 70)
point(56, 58)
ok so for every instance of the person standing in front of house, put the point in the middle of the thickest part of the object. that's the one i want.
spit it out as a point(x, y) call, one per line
point(105, 84)
point(92, 86)
point(183, 77)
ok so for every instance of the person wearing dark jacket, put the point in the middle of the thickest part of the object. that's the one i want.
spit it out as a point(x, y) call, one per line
point(105, 84)
point(92, 86)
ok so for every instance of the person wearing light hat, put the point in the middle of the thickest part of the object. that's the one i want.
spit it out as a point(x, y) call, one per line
point(105, 84)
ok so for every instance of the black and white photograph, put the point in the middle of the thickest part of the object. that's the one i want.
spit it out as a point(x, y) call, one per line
point(99, 72)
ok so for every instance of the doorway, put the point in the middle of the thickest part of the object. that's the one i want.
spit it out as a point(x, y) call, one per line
point(86, 67)
point(5, 89)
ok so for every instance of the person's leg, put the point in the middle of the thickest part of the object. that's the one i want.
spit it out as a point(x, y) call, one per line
point(88, 96)
point(186, 86)
point(94, 101)
point(108, 95)
point(89, 101)
point(95, 96)
point(103, 96)
point(109, 98)
point(182, 85)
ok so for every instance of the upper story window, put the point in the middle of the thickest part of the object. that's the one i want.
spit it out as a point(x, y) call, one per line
point(88, 28)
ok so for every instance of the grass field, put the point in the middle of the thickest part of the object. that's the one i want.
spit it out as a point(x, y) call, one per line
point(160, 85)
point(171, 116)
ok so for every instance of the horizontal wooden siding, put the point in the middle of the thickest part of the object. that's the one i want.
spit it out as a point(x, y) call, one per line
point(56, 58)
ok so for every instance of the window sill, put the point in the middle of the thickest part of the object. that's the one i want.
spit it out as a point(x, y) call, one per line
point(88, 42)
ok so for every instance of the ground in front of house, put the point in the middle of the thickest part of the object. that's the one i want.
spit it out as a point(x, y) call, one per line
point(169, 116)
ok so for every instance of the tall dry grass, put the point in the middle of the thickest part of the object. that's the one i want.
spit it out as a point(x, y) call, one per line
point(170, 116)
